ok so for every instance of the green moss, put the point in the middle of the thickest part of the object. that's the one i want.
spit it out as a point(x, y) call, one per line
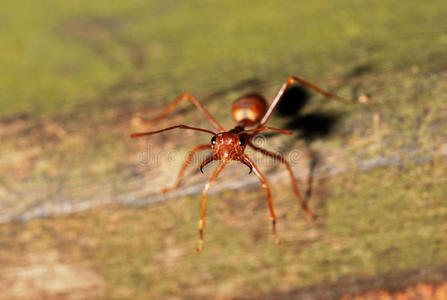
point(60, 55)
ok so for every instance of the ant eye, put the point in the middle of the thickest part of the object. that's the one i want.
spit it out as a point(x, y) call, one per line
point(241, 141)
point(213, 140)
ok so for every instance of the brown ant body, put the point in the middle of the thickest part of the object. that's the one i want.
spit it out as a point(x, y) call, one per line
point(248, 111)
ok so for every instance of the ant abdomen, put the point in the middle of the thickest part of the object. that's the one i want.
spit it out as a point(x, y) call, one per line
point(249, 109)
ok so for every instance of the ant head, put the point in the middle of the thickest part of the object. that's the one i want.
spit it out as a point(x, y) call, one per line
point(231, 145)
point(228, 146)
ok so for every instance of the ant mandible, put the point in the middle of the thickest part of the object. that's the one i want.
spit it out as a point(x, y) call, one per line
point(248, 110)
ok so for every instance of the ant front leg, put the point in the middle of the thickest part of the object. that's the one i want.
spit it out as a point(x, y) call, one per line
point(293, 79)
point(203, 207)
point(296, 189)
point(185, 165)
point(265, 185)
point(193, 100)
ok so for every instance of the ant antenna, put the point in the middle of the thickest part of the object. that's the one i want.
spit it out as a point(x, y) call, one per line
point(137, 135)
point(266, 128)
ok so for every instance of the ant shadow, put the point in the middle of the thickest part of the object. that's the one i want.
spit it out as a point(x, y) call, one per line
point(310, 126)
point(360, 70)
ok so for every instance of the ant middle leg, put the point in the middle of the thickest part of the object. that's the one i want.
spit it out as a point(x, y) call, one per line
point(296, 189)
point(185, 165)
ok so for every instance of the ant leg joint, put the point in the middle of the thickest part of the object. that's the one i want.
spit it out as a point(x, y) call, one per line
point(186, 95)
point(365, 98)
point(167, 190)
point(290, 80)
point(199, 247)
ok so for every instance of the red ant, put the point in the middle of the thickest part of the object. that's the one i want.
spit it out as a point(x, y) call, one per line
point(249, 110)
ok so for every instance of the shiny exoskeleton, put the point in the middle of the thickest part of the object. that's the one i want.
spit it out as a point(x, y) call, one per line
point(250, 110)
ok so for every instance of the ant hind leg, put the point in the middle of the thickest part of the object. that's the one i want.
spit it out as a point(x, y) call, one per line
point(293, 79)
point(196, 103)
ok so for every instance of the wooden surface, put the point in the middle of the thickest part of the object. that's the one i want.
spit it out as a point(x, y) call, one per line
point(80, 203)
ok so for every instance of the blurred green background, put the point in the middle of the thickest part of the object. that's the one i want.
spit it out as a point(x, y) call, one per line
point(74, 74)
